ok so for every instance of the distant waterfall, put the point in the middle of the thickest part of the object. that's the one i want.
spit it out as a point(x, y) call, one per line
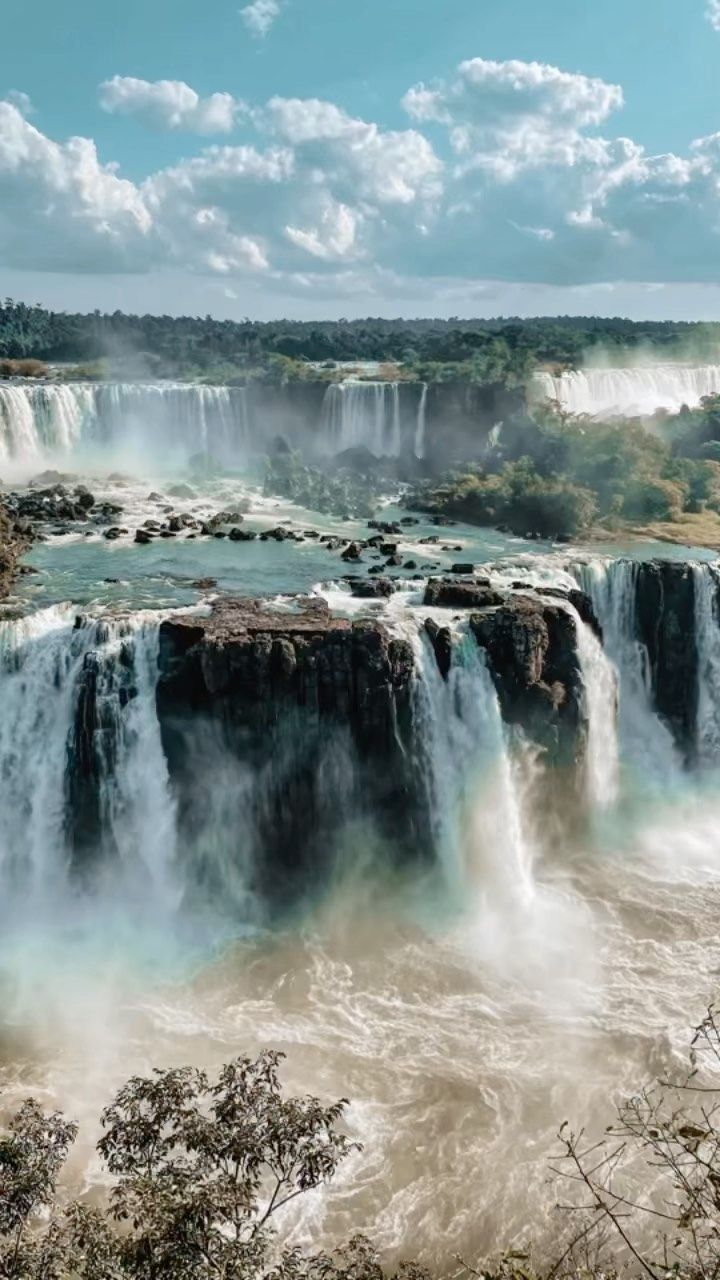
point(39, 420)
point(80, 745)
point(421, 427)
point(362, 415)
point(368, 415)
point(647, 742)
point(707, 640)
point(632, 392)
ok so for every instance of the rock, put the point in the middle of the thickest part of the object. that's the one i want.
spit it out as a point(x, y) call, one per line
point(182, 491)
point(394, 562)
point(155, 497)
point(378, 589)
point(242, 535)
point(84, 497)
point(45, 479)
point(410, 564)
point(665, 619)
point(204, 584)
point(474, 594)
point(290, 696)
point(14, 542)
point(114, 532)
point(462, 568)
point(351, 552)
point(143, 537)
point(441, 640)
point(532, 653)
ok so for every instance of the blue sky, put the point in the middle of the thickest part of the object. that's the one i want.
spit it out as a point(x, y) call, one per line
point(320, 157)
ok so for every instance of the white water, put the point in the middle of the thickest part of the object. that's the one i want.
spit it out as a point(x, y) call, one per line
point(601, 694)
point(421, 428)
point(43, 660)
point(39, 421)
point(462, 1056)
point(368, 415)
point(707, 640)
point(473, 783)
point(647, 743)
point(638, 391)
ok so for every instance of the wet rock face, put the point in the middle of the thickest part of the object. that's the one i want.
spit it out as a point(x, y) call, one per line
point(665, 617)
point(15, 538)
point(315, 712)
point(532, 652)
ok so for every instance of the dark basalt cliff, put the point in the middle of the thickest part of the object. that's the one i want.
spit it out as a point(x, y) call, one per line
point(316, 713)
point(533, 658)
point(531, 646)
point(665, 602)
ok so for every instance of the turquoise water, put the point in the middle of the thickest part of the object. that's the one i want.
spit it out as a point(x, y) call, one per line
point(92, 571)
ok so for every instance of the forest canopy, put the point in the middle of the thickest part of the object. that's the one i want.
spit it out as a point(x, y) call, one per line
point(502, 349)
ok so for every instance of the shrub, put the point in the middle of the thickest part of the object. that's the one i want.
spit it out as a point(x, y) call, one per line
point(654, 499)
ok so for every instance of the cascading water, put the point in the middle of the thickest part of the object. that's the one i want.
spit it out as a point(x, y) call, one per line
point(81, 751)
point(421, 427)
point(59, 420)
point(647, 742)
point(707, 640)
point(368, 415)
point(473, 783)
point(601, 693)
point(633, 392)
point(362, 415)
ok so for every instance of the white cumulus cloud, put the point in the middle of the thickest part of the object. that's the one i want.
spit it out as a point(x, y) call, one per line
point(170, 104)
point(713, 13)
point(260, 16)
point(507, 116)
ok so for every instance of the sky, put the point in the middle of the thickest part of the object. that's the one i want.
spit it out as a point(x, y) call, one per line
point(324, 158)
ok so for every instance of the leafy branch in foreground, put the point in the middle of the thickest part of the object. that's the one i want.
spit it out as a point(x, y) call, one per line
point(201, 1168)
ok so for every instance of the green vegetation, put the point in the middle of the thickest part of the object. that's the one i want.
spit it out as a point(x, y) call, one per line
point(493, 350)
point(554, 474)
point(346, 492)
point(201, 1168)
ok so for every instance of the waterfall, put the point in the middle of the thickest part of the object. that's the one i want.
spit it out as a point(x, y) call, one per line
point(473, 783)
point(421, 426)
point(707, 640)
point(39, 420)
point(81, 751)
point(362, 415)
point(601, 694)
point(647, 742)
point(632, 392)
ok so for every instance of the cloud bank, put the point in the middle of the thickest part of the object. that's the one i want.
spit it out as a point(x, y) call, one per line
point(505, 171)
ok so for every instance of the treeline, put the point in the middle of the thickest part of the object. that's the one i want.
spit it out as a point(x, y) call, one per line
point(505, 348)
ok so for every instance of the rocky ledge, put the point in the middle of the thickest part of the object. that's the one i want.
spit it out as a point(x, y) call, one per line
point(259, 655)
point(15, 538)
point(315, 710)
point(532, 653)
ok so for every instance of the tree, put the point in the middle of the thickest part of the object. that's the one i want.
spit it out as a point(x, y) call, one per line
point(202, 1167)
